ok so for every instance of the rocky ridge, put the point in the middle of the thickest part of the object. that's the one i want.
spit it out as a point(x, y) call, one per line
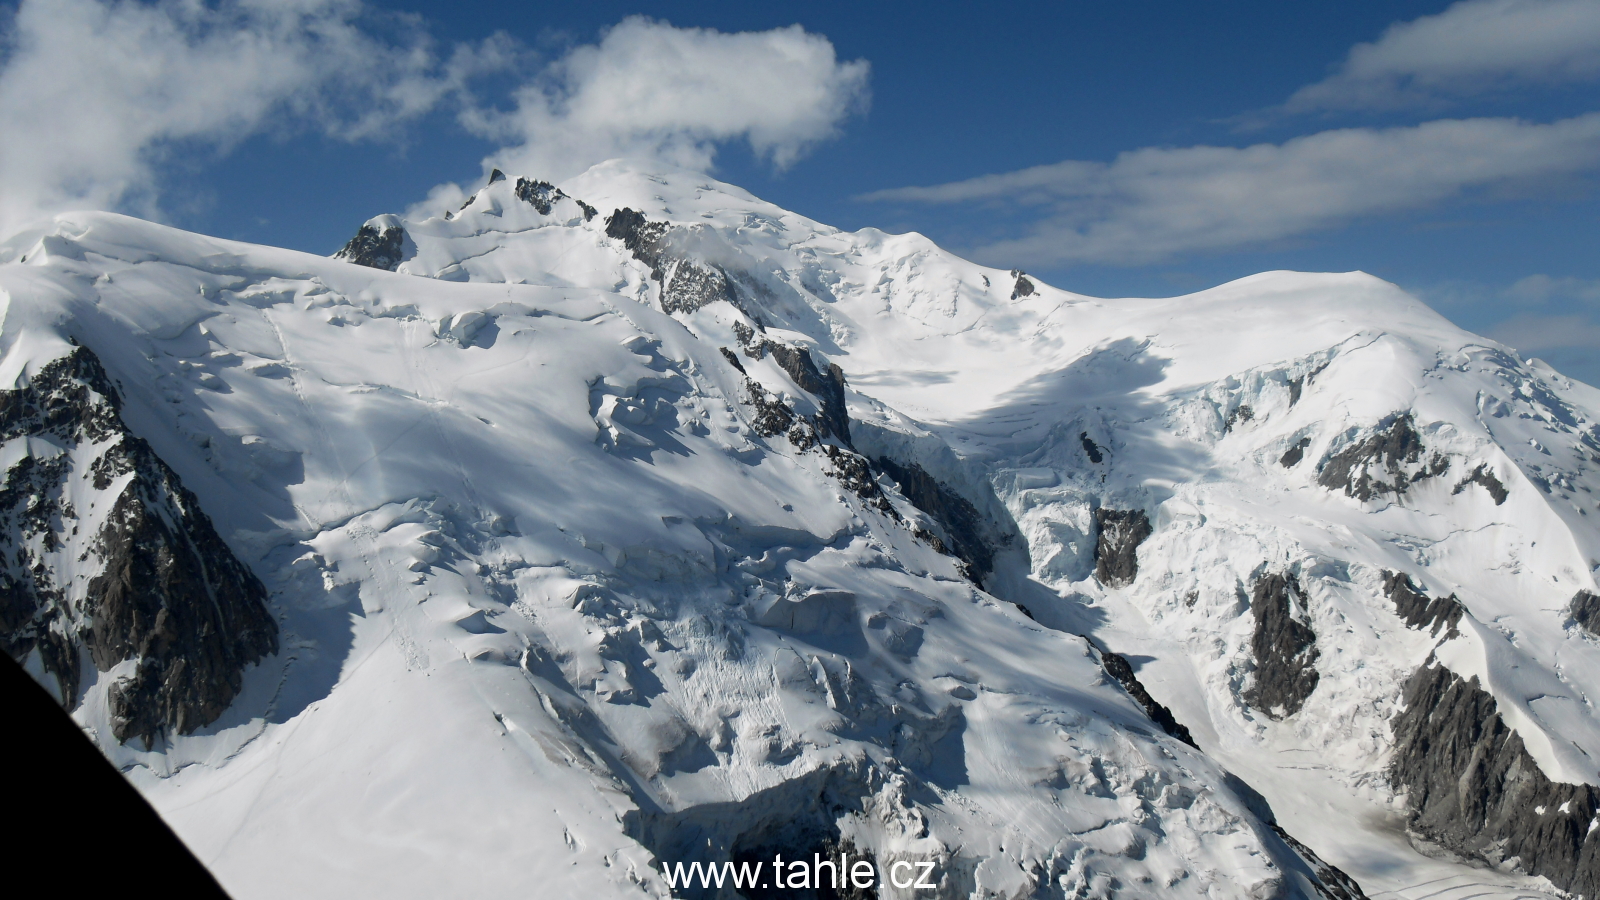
point(156, 587)
point(1472, 787)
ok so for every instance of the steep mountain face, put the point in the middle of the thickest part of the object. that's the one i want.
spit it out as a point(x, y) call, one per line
point(602, 526)
point(111, 561)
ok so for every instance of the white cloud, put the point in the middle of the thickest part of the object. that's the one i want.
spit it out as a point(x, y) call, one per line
point(1156, 203)
point(650, 90)
point(1472, 46)
point(94, 92)
point(1541, 289)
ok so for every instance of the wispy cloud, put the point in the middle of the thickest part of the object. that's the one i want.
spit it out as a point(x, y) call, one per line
point(1156, 203)
point(1471, 47)
point(648, 89)
point(94, 93)
point(1542, 289)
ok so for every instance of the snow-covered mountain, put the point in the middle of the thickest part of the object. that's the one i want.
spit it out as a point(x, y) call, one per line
point(633, 521)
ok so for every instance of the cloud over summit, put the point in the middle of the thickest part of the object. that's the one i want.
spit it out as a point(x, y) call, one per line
point(97, 94)
point(648, 89)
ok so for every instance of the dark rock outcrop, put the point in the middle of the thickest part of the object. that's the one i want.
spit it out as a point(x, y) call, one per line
point(1090, 448)
point(1472, 787)
point(689, 284)
point(1285, 648)
point(1296, 386)
point(1118, 667)
point(1119, 532)
point(1484, 478)
point(852, 470)
point(543, 196)
point(772, 416)
point(686, 284)
point(1388, 461)
point(1327, 880)
point(161, 588)
point(828, 389)
point(960, 520)
point(1418, 610)
point(1585, 611)
point(375, 248)
point(1292, 456)
point(1023, 286)
point(1331, 882)
point(1244, 412)
point(638, 234)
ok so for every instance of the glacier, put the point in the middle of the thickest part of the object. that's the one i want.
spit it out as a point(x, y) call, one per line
point(634, 520)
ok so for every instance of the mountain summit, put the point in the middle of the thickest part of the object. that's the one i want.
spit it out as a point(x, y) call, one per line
point(600, 527)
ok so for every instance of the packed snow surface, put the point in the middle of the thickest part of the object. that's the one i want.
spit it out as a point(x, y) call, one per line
point(557, 607)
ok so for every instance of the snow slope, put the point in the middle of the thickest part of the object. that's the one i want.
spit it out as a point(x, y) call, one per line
point(579, 567)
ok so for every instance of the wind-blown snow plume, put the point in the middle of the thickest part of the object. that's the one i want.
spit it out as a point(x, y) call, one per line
point(94, 93)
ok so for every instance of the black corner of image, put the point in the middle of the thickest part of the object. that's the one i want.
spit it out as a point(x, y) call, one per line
point(44, 748)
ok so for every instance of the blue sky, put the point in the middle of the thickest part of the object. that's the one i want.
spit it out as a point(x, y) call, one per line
point(1134, 148)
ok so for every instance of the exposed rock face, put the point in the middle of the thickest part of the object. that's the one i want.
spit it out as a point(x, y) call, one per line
point(1118, 667)
point(1585, 610)
point(1388, 461)
point(1473, 788)
point(1091, 448)
point(853, 471)
point(1244, 412)
point(1483, 477)
point(638, 234)
point(961, 521)
point(1116, 548)
point(686, 284)
point(1294, 454)
point(168, 593)
point(733, 359)
point(1285, 648)
point(689, 284)
point(829, 389)
point(543, 196)
point(376, 248)
point(1024, 287)
point(1418, 610)
point(772, 416)
point(1331, 881)
point(1327, 880)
